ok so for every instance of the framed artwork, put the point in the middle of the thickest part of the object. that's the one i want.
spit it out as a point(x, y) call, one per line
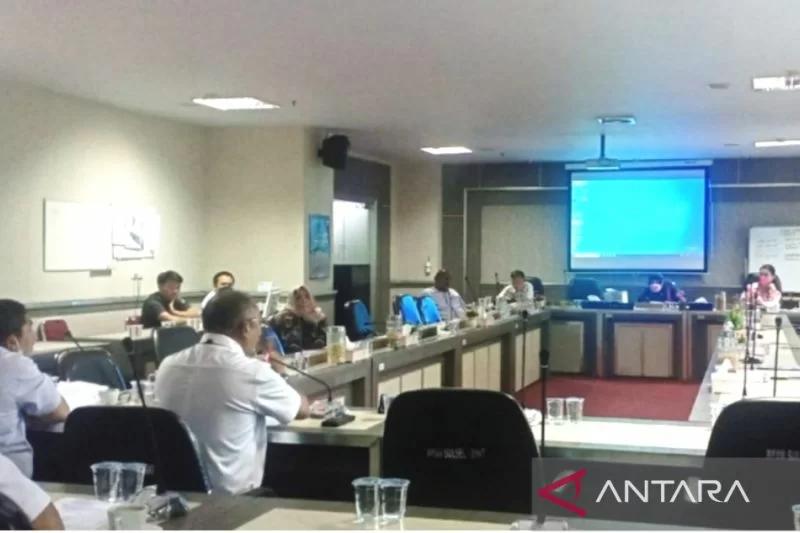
point(319, 246)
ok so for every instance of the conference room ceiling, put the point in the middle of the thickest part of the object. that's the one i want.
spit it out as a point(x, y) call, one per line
point(512, 79)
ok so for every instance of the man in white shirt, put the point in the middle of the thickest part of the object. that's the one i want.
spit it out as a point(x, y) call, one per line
point(25, 392)
point(451, 305)
point(221, 280)
point(225, 395)
point(519, 290)
point(29, 497)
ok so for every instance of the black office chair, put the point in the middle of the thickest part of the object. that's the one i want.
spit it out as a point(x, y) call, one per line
point(12, 517)
point(538, 286)
point(582, 288)
point(168, 341)
point(94, 366)
point(357, 321)
point(749, 428)
point(96, 434)
point(461, 448)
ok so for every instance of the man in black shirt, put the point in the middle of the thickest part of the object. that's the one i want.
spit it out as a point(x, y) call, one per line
point(166, 304)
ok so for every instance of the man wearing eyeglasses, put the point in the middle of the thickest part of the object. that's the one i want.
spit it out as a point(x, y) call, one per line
point(225, 394)
point(25, 392)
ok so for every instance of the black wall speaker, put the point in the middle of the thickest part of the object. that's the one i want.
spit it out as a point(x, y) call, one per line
point(334, 151)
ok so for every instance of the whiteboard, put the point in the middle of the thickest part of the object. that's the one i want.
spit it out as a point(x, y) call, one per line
point(780, 247)
point(76, 236)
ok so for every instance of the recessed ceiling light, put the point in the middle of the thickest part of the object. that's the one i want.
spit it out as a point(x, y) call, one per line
point(629, 120)
point(777, 143)
point(237, 103)
point(719, 85)
point(446, 150)
point(789, 82)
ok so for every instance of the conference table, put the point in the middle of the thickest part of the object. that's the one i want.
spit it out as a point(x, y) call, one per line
point(223, 512)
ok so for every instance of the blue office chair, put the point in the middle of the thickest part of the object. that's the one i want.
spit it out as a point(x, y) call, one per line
point(407, 306)
point(269, 334)
point(94, 366)
point(358, 322)
point(429, 310)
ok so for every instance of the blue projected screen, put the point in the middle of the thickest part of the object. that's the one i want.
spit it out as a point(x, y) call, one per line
point(638, 220)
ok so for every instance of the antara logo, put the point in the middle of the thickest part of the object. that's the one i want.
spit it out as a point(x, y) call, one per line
point(647, 491)
point(668, 491)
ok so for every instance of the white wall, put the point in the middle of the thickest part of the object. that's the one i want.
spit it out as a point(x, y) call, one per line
point(63, 148)
point(256, 205)
point(416, 219)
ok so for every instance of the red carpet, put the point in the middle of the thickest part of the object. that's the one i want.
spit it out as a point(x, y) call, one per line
point(655, 399)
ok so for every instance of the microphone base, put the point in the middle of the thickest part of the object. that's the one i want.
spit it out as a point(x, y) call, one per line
point(337, 420)
point(532, 524)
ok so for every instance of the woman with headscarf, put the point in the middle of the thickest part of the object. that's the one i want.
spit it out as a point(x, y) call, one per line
point(301, 326)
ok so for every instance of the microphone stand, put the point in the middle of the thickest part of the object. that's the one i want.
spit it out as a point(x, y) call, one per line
point(747, 354)
point(778, 324)
point(170, 504)
point(337, 417)
point(70, 337)
point(525, 347)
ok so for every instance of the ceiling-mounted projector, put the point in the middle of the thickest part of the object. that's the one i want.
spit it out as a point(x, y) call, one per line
point(603, 162)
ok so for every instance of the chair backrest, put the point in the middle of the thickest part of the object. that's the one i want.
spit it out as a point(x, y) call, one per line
point(461, 448)
point(538, 286)
point(582, 288)
point(168, 341)
point(408, 309)
point(54, 329)
point(358, 322)
point(12, 517)
point(269, 334)
point(96, 434)
point(94, 366)
point(429, 310)
point(756, 428)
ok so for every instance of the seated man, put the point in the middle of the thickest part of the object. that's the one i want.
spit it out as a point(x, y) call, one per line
point(166, 305)
point(519, 290)
point(224, 394)
point(451, 305)
point(24, 391)
point(661, 290)
point(221, 280)
point(28, 496)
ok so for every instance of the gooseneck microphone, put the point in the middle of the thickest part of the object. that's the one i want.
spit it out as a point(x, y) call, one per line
point(70, 337)
point(471, 290)
point(497, 283)
point(338, 417)
point(305, 374)
point(778, 324)
point(161, 486)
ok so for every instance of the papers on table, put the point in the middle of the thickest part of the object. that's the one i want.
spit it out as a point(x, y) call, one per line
point(80, 393)
point(83, 513)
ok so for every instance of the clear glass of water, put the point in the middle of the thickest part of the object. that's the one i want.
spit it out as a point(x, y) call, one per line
point(367, 498)
point(131, 480)
point(105, 477)
point(555, 410)
point(574, 409)
point(796, 512)
point(393, 495)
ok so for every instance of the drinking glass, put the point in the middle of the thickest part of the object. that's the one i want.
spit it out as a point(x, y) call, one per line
point(796, 512)
point(131, 480)
point(574, 409)
point(366, 492)
point(393, 494)
point(555, 410)
point(105, 477)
